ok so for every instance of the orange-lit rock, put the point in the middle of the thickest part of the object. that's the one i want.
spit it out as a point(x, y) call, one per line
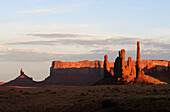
point(169, 66)
point(107, 71)
point(1, 83)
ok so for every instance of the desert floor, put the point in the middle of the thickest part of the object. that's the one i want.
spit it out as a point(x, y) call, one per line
point(106, 98)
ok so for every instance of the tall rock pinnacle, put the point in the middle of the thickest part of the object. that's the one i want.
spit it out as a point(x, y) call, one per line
point(139, 71)
point(22, 72)
point(138, 54)
point(123, 62)
point(107, 71)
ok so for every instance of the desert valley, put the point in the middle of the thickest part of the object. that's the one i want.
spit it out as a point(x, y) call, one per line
point(84, 56)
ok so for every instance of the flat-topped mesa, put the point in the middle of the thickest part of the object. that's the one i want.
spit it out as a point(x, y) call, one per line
point(107, 71)
point(78, 64)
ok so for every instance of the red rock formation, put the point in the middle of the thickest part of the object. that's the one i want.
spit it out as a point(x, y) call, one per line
point(138, 67)
point(22, 72)
point(124, 70)
point(107, 71)
point(79, 64)
point(129, 63)
point(123, 63)
point(130, 68)
point(150, 66)
point(117, 66)
point(106, 63)
point(169, 66)
point(1, 83)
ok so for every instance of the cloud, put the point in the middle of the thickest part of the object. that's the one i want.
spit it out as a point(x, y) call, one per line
point(59, 35)
point(78, 39)
point(156, 54)
point(156, 43)
point(88, 40)
point(58, 9)
point(37, 55)
point(1, 46)
point(30, 55)
point(51, 43)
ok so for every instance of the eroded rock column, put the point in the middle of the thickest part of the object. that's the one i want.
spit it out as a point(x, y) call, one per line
point(123, 63)
point(107, 71)
point(21, 72)
point(138, 67)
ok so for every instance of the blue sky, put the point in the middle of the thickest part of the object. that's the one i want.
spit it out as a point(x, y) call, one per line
point(35, 32)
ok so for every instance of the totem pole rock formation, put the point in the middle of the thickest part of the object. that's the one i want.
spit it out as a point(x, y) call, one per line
point(107, 71)
point(139, 72)
point(123, 71)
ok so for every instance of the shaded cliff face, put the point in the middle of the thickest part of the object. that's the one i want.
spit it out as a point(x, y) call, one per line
point(81, 73)
point(159, 71)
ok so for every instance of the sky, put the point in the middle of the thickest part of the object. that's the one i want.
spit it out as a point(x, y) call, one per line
point(33, 33)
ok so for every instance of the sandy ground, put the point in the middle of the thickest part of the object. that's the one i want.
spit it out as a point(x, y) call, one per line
point(105, 98)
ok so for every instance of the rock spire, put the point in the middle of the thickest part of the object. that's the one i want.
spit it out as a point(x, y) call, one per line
point(107, 71)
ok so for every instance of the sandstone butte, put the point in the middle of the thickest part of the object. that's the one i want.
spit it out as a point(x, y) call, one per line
point(84, 73)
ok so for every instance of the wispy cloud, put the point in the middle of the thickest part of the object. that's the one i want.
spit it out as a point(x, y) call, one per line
point(37, 55)
point(109, 46)
point(60, 35)
point(31, 55)
point(89, 40)
point(57, 9)
point(81, 41)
